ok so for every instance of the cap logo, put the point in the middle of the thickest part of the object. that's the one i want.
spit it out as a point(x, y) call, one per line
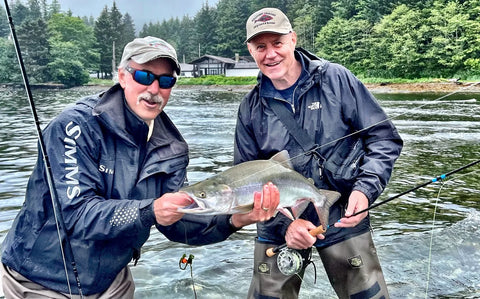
point(263, 18)
point(158, 44)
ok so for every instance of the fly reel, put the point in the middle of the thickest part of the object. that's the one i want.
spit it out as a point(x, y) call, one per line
point(289, 261)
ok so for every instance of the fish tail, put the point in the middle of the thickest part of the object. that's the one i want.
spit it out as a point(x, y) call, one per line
point(324, 210)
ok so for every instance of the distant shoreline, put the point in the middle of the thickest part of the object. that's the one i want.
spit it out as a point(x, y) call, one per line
point(435, 87)
point(444, 87)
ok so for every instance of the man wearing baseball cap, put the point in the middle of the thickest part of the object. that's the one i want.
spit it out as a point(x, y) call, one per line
point(117, 162)
point(336, 134)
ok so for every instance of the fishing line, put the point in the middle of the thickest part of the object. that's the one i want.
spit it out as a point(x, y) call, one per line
point(65, 246)
point(435, 101)
point(184, 262)
point(429, 260)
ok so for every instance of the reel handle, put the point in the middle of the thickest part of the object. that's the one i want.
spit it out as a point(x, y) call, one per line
point(274, 250)
point(316, 231)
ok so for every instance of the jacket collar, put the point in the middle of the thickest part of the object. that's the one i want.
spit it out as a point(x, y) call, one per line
point(115, 114)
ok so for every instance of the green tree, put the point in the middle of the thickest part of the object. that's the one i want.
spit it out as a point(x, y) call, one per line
point(205, 25)
point(9, 69)
point(345, 9)
point(472, 34)
point(231, 18)
point(128, 33)
point(187, 50)
point(53, 8)
point(116, 32)
point(64, 28)
point(4, 27)
point(33, 40)
point(399, 43)
point(345, 42)
point(373, 10)
point(19, 13)
point(448, 43)
point(66, 68)
point(35, 10)
point(304, 25)
point(316, 12)
point(104, 40)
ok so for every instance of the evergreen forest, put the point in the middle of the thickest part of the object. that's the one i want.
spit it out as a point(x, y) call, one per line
point(373, 38)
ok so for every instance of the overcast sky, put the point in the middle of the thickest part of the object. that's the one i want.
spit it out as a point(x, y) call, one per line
point(141, 11)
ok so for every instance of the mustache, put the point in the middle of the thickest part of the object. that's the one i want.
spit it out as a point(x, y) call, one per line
point(146, 96)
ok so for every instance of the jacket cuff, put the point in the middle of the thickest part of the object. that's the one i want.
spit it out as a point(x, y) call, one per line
point(230, 223)
point(370, 190)
point(147, 216)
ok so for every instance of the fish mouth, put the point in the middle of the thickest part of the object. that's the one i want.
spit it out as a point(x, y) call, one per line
point(196, 207)
point(191, 207)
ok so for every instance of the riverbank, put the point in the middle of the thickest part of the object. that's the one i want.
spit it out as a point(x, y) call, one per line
point(440, 87)
point(435, 87)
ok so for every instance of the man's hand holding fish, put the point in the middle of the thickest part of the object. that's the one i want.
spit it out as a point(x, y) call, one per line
point(264, 207)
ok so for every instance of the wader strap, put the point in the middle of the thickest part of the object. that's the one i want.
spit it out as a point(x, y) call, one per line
point(286, 117)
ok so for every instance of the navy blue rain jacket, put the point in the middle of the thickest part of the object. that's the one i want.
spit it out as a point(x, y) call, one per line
point(106, 177)
point(330, 103)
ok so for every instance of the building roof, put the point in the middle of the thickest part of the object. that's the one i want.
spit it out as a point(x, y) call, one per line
point(218, 58)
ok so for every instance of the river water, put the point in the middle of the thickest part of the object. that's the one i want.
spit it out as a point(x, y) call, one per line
point(428, 241)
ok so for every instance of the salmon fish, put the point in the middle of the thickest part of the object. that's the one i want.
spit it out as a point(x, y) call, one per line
point(231, 191)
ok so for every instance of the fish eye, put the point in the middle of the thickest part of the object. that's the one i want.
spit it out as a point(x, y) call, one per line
point(202, 194)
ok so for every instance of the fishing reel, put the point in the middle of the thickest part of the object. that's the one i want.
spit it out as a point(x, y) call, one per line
point(289, 261)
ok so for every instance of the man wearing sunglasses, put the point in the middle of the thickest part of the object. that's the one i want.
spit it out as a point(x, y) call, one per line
point(117, 162)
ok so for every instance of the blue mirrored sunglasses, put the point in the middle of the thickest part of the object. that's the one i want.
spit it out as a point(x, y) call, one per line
point(147, 78)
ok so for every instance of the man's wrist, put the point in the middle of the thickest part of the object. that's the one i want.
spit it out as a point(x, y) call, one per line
point(232, 225)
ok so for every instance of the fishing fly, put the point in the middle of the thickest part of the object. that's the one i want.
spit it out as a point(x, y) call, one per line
point(185, 262)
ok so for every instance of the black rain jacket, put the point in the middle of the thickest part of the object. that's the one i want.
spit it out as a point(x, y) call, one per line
point(330, 103)
point(106, 177)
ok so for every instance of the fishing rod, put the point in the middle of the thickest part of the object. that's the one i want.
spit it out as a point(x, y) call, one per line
point(319, 229)
point(65, 246)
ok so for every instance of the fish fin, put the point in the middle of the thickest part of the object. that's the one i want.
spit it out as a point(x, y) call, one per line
point(283, 158)
point(300, 205)
point(286, 212)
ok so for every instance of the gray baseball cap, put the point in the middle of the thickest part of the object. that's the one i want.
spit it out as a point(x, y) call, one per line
point(267, 19)
point(145, 49)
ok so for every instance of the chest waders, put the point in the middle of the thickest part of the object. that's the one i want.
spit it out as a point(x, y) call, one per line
point(352, 267)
